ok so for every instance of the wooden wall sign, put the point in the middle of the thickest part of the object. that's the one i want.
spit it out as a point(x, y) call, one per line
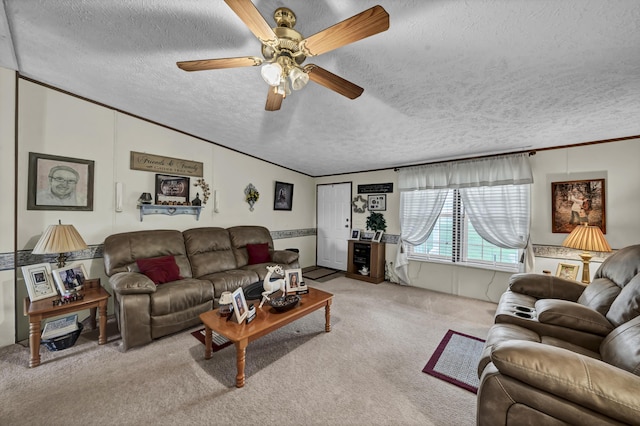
point(376, 188)
point(159, 164)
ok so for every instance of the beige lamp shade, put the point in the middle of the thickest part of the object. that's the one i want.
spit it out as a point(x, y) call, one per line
point(587, 238)
point(60, 239)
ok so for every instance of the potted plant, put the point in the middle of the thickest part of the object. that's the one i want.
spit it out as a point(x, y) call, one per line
point(376, 222)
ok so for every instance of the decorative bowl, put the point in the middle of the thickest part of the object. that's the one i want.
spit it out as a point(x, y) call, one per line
point(283, 304)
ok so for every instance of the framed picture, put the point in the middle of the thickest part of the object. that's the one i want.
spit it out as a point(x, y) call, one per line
point(567, 271)
point(377, 237)
point(294, 281)
point(38, 280)
point(59, 183)
point(240, 307)
point(577, 202)
point(377, 202)
point(172, 189)
point(69, 278)
point(283, 198)
point(355, 234)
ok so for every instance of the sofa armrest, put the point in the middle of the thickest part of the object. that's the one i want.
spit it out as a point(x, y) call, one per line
point(572, 315)
point(546, 286)
point(284, 256)
point(131, 283)
point(583, 380)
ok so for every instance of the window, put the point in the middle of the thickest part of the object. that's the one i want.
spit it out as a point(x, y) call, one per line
point(454, 239)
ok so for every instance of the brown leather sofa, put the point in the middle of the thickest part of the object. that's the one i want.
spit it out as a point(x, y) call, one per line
point(211, 260)
point(563, 353)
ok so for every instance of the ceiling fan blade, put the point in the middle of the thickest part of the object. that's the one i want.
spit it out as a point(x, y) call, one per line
point(216, 64)
point(252, 18)
point(364, 24)
point(274, 100)
point(333, 82)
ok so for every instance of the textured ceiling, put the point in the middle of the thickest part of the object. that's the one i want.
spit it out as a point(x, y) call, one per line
point(449, 79)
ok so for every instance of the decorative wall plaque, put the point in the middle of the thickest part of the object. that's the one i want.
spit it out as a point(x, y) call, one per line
point(375, 188)
point(157, 163)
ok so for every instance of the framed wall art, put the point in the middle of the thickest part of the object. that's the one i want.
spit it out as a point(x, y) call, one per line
point(39, 282)
point(172, 189)
point(377, 202)
point(59, 183)
point(70, 279)
point(567, 271)
point(283, 199)
point(576, 203)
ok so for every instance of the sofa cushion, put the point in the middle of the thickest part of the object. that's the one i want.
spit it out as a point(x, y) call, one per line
point(209, 250)
point(160, 270)
point(627, 304)
point(599, 295)
point(258, 253)
point(622, 347)
point(572, 315)
point(177, 296)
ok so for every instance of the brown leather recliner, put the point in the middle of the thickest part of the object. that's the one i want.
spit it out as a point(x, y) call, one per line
point(563, 353)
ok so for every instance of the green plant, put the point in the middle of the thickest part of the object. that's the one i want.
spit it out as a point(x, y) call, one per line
point(376, 222)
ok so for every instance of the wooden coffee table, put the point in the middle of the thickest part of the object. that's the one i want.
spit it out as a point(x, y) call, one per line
point(266, 321)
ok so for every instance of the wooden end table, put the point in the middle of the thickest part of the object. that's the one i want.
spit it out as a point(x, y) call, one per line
point(266, 321)
point(95, 297)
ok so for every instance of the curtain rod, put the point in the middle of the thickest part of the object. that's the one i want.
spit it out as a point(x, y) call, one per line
point(396, 169)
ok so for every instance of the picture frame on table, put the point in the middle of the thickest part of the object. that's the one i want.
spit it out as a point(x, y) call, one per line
point(70, 279)
point(377, 237)
point(567, 271)
point(355, 234)
point(172, 189)
point(377, 202)
point(283, 196)
point(240, 308)
point(39, 281)
point(577, 202)
point(59, 183)
point(294, 283)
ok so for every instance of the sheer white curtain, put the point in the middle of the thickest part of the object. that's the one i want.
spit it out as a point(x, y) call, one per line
point(501, 215)
point(419, 211)
point(436, 178)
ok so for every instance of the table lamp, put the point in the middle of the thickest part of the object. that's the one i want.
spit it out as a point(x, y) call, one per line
point(588, 238)
point(60, 239)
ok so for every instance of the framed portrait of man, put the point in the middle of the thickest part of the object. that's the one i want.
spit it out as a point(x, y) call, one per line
point(59, 183)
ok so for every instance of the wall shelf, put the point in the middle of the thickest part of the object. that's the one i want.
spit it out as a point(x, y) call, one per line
point(169, 210)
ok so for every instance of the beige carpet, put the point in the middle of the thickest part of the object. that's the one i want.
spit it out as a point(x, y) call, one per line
point(366, 371)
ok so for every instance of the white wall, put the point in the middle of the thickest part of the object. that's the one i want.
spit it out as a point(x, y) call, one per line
point(7, 223)
point(52, 122)
point(614, 161)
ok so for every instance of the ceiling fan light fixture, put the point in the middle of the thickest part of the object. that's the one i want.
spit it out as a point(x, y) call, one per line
point(298, 78)
point(272, 73)
point(283, 88)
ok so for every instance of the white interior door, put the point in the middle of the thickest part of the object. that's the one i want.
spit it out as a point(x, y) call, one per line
point(334, 225)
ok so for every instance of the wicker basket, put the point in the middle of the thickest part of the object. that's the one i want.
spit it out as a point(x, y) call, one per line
point(63, 342)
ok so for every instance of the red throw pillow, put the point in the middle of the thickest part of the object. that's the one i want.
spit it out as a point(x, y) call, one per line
point(258, 253)
point(160, 269)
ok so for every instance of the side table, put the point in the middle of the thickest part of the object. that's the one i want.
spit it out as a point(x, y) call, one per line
point(95, 297)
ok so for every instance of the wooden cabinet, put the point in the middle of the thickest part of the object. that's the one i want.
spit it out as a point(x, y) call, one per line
point(369, 254)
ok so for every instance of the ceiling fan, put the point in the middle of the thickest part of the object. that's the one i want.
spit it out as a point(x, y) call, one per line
point(285, 49)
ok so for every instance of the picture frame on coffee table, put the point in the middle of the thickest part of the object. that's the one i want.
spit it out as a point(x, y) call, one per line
point(240, 307)
point(294, 281)
point(39, 282)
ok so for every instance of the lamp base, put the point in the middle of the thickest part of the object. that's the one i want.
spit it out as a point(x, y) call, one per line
point(586, 258)
point(62, 260)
